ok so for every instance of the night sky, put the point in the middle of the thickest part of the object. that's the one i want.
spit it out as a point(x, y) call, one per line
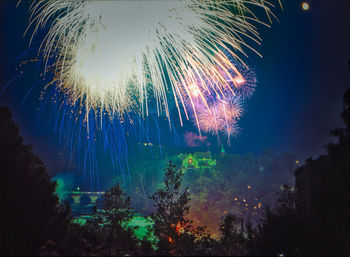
point(302, 78)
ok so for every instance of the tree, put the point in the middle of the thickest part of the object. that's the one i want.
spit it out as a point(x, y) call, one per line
point(175, 233)
point(313, 218)
point(109, 223)
point(323, 194)
point(30, 213)
point(232, 241)
point(280, 231)
point(107, 232)
point(171, 207)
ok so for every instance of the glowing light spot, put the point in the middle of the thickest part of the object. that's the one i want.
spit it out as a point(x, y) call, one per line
point(190, 161)
point(239, 80)
point(194, 90)
point(305, 6)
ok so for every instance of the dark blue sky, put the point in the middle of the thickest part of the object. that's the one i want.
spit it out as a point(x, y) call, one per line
point(302, 78)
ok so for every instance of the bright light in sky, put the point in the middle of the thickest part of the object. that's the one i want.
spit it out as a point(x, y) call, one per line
point(194, 90)
point(305, 6)
point(118, 56)
point(239, 80)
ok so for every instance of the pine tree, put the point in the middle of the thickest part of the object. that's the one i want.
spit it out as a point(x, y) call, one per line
point(171, 207)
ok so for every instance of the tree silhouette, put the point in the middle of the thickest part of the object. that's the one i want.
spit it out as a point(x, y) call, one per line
point(323, 194)
point(232, 241)
point(109, 222)
point(312, 219)
point(175, 233)
point(171, 207)
point(30, 213)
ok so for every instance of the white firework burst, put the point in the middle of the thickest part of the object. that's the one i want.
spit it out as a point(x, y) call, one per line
point(115, 55)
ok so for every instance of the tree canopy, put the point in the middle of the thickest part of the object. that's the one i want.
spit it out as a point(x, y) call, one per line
point(30, 213)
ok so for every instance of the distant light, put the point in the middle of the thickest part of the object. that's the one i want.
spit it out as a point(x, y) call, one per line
point(249, 187)
point(305, 6)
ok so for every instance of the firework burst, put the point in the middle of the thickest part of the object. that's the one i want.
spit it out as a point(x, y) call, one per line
point(110, 64)
point(115, 55)
point(210, 120)
point(244, 81)
point(220, 117)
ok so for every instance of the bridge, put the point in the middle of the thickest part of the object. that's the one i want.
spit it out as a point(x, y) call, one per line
point(77, 195)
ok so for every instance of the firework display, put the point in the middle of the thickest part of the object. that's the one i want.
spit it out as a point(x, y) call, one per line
point(215, 113)
point(110, 66)
point(115, 55)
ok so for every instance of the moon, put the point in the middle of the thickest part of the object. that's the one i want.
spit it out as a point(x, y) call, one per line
point(305, 6)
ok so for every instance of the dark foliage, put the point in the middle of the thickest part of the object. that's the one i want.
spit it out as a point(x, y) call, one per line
point(30, 213)
point(171, 207)
point(313, 219)
point(323, 194)
point(232, 241)
point(106, 232)
point(309, 219)
point(175, 233)
point(108, 222)
point(280, 231)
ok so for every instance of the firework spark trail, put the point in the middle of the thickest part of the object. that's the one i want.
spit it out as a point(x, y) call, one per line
point(215, 114)
point(115, 55)
point(83, 141)
point(111, 63)
point(242, 80)
point(220, 118)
